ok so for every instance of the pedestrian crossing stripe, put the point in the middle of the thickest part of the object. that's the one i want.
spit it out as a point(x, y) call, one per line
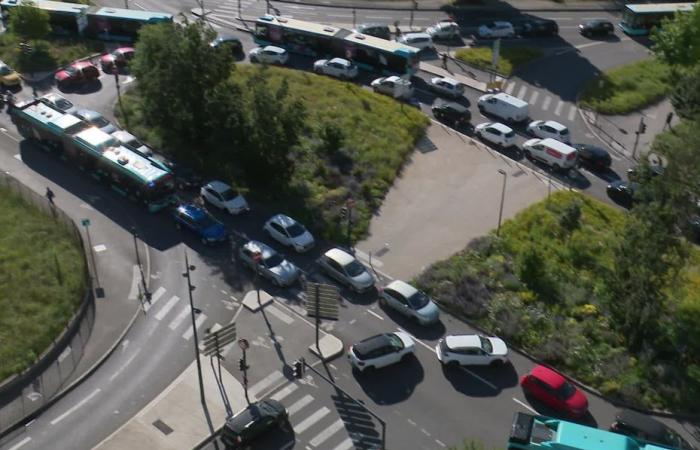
point(557, 110)
point(282, 393)
point(167, 307)
point(327, 433)
point(299, 404)
point(265, 383)
point(547, 101)
point(201, 318)
point(180, 317)
point(312, 419)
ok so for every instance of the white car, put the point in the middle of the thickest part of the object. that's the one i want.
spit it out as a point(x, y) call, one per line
point(471, 350)
point(497, 29)
point(496, 133)
point(409, 301)
point(393, 86)
point(269, 263)
point(381, 350)
point(447, 86)
point(336, 67)
point(223, 196)
point(549, 129)
point(347, 269)
point(59, 102)
point(444, 30)
point(421, 41)
point(289, 232)
point(269, 55)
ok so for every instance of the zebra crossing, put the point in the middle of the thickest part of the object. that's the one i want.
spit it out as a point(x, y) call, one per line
point(560, 108)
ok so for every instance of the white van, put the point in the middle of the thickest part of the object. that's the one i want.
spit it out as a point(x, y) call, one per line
point(554, 153)
point(421, 41)
point(504, 106)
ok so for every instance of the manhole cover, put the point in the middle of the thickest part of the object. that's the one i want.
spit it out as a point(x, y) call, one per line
point(166, 430)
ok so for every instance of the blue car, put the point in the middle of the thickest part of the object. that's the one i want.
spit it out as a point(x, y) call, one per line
point(201, 223)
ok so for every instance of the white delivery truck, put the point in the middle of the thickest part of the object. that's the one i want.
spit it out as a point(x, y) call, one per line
point(555, 154)
point(504, 106)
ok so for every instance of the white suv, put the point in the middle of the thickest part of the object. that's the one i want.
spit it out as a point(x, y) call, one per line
point(444, 30)
point(549, 129)
point(471, 350)
point(421, 41)
point(223, 196)
point(447, 86)
point(269, 55)
point(336, 67)
point(496, 133)
point(498, 29)
point(381, 350)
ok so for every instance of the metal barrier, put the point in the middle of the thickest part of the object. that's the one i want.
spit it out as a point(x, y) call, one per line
point(25, 393)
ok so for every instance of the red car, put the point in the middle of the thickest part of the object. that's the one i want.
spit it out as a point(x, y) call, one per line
point(553, 389)
point(119, 57)
point(77, 73)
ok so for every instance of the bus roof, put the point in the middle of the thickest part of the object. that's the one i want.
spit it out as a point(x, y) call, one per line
point(651, 8)
point(573, 435)
point(132, 14)
point(301, 25)
point(51, 118)
point(382, 44)
point(48, 5)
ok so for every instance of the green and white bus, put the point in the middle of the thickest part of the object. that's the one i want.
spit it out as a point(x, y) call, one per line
point(639, 19)
point(132, 174)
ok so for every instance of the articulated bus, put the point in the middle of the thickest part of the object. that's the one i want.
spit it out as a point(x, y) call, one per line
point(132, 174)
point(639, 19)
point(317, 40)
point(530, 432)
point(106, 23)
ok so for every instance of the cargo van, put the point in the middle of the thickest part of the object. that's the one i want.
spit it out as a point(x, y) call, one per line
point(554, 153)
point(504, 107)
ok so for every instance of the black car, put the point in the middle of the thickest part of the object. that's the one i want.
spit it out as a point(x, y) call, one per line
point(186, 178)
point(231, 42)
point(375, 29)
point(596, 28)
point(254, 420)
point(622, 192)
point(540, 27)
point(637, 425)
point(593, 156)
point(452, 113)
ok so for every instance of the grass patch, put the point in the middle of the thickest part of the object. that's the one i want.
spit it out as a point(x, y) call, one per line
point(377, 136)
point(511, 57)
point(42, 275)
point(628, 88)
point(541, 287)
point(48, 54)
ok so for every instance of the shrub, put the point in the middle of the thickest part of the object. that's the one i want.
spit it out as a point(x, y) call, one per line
point(510, 57)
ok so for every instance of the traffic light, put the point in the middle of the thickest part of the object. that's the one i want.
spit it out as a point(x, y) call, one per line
point(642, 127)
point(298, 369)
point(241, 365)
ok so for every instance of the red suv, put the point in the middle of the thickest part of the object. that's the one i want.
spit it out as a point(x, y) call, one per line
point(551, 388)
point(79, 72)
point(119, 58)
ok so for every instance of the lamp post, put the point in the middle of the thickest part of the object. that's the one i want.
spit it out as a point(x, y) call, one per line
point(503, 197)
point(146, 292)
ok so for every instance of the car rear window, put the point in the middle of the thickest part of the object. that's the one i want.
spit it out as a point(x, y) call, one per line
point(564, 132)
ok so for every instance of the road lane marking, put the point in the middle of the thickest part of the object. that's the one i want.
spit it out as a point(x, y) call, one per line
point(265, 382)
point(418, 340)
point(123, 366)
point(547, 101)
point(64, 354)
point(525, 405)
point(299, 404)
point(20, 443)
point(440, 443)
point(187, 335)
point(510, 88)
point(99, 248)
point(282, 393)
point(134, 291)
point(279, 314)
point(154, 298)
point(521, 92)
point(312, 419)
point(167, 307)
point(347, 444)
point(327, 433)
point(572, 113)
point(375, 314)
point(486, 382)
point(180, 317)
point(76, 406)
point(533, 97)
point(557, 110)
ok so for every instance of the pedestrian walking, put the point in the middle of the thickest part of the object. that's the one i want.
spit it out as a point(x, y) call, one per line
point(50, 195)
point(444, 60)
point(398, 30)
point(669, 118)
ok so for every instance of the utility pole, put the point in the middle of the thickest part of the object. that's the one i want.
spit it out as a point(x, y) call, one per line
point(243, 366)
point(640, 130)
point(86, 224)
point(503, 197)
point(146, 293)
point(350, 206)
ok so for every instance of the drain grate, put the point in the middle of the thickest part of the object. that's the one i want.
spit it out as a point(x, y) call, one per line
point(425, 145)
point(166, 430)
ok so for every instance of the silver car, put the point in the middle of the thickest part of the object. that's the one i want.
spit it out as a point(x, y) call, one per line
point(409, 301)
point(347, 269)
point(96, 120)
point(289, 232)
point(269, 263)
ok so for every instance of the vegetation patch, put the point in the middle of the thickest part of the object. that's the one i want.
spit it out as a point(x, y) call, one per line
point(47, 54)
point(628, 88)
point(42, 275)
point(543, 286)
point(510, 57)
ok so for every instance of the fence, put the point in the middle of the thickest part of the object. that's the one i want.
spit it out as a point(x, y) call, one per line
point(25, 393)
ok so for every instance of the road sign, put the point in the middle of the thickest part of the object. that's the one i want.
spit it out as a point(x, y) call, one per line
point(85, 222)
point(214, 342)
point(322, 298)
point(243, 344)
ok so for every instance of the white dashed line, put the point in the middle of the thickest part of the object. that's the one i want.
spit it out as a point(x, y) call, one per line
point(375, 314)
point(20, 443)
point(123, 366)
point(77, 405)
point(180, 317)
point(521, 92)
point(572, 113)
point(312, 419)
point(486, 382)
point(525, 405)
point(509, 88)
point(557, 110)
point(167, 307)
point(99, 248)
point(547, 101)
point(533, 97)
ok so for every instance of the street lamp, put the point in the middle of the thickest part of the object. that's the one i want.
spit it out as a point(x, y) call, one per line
point(503, 197)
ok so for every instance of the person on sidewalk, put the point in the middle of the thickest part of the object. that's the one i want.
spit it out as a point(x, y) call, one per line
point(50, 195)
point(444, 60)
point(398, 30)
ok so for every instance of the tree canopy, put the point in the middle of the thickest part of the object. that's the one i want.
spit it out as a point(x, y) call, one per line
point(678, 41)
point(29, 22)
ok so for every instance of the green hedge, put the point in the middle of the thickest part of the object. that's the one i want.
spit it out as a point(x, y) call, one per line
point(510, 57)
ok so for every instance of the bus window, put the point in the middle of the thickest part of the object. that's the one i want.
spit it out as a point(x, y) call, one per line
point(261, 30)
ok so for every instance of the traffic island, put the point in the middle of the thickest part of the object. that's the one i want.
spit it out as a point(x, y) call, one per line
point(254, 301)
point(329, 348)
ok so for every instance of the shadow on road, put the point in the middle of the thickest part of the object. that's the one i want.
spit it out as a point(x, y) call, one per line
point(477, 381)
point(392, 384)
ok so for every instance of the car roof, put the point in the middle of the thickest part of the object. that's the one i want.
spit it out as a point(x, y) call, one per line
point(463, 341)
point(452, 105)
point(340, 256)
point(549, 376)
point(342, 61)
point(641, 422)
point(256, 246)
point(88, 113)
point(501, 127)
point(557, 145)
point(263, 408)
point(275, 49)
point(192, 211)
point(449, 80)
point(371, 344)
point(283, 220)
point(81, 64)
point(218, 186)
point(416, 36)
point(554, 124)
point(403, 288)
point(124, 50)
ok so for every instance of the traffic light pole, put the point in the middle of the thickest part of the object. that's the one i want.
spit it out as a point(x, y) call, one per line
point(244, 369)
point(640, 130)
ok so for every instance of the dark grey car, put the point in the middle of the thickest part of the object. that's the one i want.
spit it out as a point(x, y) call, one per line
point(96, 119)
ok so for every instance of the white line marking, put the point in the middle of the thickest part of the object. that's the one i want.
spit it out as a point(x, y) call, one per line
point(547, 101)
point(418, 340)
point(123, 366)
point(525, 405)
point(138, 6)
point(64, 354)
point(590, 44)
point(327, 433)
point(338, 15)
point(265, 382)
point(572, 113)
point(533, 97)
point(282, 393)
point(184, 312)
point(486, 382)
point(76, 406)
point(312, 419)
point(155, 297)
point(299, 404)
point(379, 17)
point(521, 92)
point(134, 291)
point(187, 335)
point(347, 444)
point(11, 137)
point(167, 307)
point(99, 248)
point(557, 110)
point(279, 314)
point(510, 88)
point(440, 443)
point(20, 443)
point(352, 321)
point(18, 156)
point(375, 314)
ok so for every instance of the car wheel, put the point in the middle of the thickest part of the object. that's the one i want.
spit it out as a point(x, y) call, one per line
point(406, 357)
point(481, 108)
point(556, 167)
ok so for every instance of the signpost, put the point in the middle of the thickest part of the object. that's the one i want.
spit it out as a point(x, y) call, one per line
point(86, 224)
point(243, 344)
point(322, 301)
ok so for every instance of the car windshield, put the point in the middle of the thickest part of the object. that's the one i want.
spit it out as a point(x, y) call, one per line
point(229, 194)
point(395, 341)
point(63, 104)
point(418, 300)
point(296, 229)
point(486, 344)
point(205, 221)
point(71, 70)
point(5, 70)
point(273, 260)
point(566, 390)
point(354, 268)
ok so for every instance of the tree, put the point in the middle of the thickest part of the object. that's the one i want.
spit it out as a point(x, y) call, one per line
point(678, 40)
point(686, 94)
point(29, 22)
